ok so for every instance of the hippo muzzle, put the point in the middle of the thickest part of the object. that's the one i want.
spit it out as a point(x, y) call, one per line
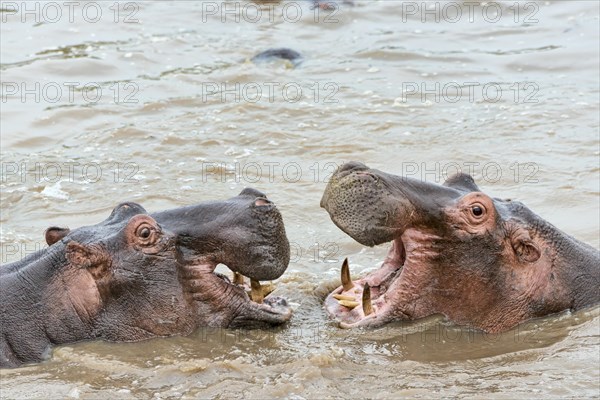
point(246, 233)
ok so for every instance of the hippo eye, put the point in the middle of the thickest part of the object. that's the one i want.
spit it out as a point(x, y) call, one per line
point(144, 233)
point(477, 211)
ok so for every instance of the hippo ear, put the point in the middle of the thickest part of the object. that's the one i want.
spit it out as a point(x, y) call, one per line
point(525, 248)
point(463, 182)
point(124, 211)
point(88, 257)
point(54, 234)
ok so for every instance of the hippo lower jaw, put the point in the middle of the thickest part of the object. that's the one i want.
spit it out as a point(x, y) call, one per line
point(233, 304)
point(391, 288)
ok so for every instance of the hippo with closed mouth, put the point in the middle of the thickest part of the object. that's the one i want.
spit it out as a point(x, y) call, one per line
point(136, 276)
point(479, 261)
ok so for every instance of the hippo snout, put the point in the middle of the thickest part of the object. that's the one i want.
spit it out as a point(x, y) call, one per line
point(245, 232)
point(338, 176)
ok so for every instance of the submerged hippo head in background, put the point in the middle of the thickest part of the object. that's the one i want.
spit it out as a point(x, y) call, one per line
point(480, 261)
point(135, 276)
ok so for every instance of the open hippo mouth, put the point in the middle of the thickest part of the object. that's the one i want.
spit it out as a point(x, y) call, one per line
point(252, 301)
point(386, 293)
point(347, 199)
point(246, 234)
point(363, 301)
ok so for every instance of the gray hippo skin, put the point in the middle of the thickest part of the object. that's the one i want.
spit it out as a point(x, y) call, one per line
point(136, 276)
point(480, 261)
point(281, 53)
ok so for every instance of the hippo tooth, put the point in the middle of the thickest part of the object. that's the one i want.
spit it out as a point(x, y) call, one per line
point(268, 289)
point(349, 304)
point(346, 281)
point(366, 300)
point(238, 278)
point(343, 297)
point(256, 293)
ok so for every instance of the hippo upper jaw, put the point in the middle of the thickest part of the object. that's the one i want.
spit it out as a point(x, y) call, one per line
point(246, 233)
point(374, 207)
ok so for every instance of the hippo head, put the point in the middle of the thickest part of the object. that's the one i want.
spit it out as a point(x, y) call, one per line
point(148, 275)
point(480, 261)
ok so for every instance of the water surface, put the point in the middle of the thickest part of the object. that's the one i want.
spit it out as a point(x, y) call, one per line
point(366, 90)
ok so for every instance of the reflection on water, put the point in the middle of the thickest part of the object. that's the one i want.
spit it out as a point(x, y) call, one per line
point(170, 110)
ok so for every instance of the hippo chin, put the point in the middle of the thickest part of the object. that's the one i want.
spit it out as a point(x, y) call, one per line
point(480, 261)
point(136, 276)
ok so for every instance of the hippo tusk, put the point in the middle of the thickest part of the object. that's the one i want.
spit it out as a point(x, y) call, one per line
point(256, 293)
point(346, 281)
point(348, 303)
point(366, 300)
point(343, 297)
point(268, 289)
point(238, 278)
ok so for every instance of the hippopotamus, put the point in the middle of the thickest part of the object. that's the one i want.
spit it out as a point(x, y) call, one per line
point(136, 276)
point(484, 262)
point(275, 54)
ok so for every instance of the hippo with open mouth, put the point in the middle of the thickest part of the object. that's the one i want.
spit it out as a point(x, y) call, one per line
point(136, 276)
point(479, 261)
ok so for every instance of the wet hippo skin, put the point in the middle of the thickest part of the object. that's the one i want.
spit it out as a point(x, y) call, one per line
point(480, 261)
point(136, 276)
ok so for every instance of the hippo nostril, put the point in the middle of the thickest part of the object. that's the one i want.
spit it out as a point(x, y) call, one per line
point(252, 192)
point(262, 202)
point(352, 166)
point(366, 174)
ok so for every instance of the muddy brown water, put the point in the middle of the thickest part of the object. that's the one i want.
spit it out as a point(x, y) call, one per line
point(96, 111)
